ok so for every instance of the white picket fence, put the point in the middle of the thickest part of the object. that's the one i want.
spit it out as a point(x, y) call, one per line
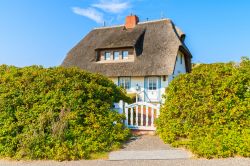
point(140, 115)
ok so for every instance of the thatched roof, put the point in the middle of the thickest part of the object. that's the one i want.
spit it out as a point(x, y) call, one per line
point(123, 38)
point(156, 43)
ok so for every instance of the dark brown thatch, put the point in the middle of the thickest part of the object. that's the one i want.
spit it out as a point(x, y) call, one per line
point(156, 43)
point(123, 38)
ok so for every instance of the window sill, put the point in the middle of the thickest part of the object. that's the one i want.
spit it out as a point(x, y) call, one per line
point(116, 61)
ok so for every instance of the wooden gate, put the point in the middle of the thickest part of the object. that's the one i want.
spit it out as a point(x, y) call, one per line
point(141, 115)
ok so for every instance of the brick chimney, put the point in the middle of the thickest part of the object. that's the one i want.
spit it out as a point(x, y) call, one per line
point(131, 21)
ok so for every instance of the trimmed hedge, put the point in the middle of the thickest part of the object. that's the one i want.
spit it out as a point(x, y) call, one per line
point(58, 113)
point(208, 110)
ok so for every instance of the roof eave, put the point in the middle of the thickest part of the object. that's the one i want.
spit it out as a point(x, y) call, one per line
point(119, 47)
point(185, 50)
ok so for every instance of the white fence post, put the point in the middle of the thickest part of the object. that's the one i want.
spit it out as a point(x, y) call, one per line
point(152, 116)
point(136, 120)
point(126, 114)
point(121, 107)
point(142, 110)
point(158, 110)
point(132, 116)
point(146, 115)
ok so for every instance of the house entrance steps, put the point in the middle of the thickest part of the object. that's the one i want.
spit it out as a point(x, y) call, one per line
point(148, 147)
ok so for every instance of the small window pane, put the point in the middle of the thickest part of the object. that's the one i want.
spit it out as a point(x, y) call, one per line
point(124, 82)
point(107, 56)
point(150, 84)
point(154, 85)
point(116, 55)
point(124, 54)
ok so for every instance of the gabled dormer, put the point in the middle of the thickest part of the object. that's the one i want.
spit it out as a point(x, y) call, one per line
point(114, 55)
point(123, 45)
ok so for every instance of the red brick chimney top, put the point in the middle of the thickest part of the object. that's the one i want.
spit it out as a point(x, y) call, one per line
point(131, 21)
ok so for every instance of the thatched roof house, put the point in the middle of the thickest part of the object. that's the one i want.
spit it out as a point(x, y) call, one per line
point(156, 44)
point(136, 49)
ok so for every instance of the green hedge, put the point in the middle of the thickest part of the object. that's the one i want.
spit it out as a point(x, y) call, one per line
point(208, 110)
point(57, 113)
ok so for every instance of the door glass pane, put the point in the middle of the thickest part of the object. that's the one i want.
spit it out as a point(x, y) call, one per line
point(152, 83)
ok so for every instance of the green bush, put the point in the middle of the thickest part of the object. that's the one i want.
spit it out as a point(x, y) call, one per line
point(57, 113)
point(132, 96)
point(208, 110)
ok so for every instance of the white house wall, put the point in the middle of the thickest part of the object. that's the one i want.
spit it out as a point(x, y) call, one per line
point(164, 85)
point(180, 68)
point(134, 82)
point(140, 82)
point(114, 79)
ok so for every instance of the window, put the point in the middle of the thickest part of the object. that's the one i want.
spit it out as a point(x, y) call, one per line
point(152, 83)
point(107, 56)
point(116, 55)
point(124, 54)
point(97, 56)
point(124, 82)
point(181, 58)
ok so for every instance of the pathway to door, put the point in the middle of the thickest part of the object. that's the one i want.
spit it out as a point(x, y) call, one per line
point(147, 147)
point(144, 143)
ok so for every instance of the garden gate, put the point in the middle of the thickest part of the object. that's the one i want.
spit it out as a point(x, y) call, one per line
point(140, 115)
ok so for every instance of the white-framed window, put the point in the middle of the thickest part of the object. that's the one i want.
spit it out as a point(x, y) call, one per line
point(125, 82)
point(107, 56)
point(152, 83)
point(116, 55)
point(124, 54)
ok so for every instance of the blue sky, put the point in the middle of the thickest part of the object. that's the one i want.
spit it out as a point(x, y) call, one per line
point(42, 32)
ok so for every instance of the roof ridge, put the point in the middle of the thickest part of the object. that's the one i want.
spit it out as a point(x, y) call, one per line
point(144, 22)
point(159, 20)
point(114, 26)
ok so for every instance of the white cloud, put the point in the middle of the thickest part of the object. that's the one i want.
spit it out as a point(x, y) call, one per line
point(91, 13)
point(112, 6)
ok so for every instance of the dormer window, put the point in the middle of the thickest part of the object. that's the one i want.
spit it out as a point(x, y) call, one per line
point(116, 55)
point(124, 54)
point(107, 56)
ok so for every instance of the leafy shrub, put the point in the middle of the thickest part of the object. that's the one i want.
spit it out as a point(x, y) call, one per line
point(57, 113)
point(208, 110)
point(132, 96)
